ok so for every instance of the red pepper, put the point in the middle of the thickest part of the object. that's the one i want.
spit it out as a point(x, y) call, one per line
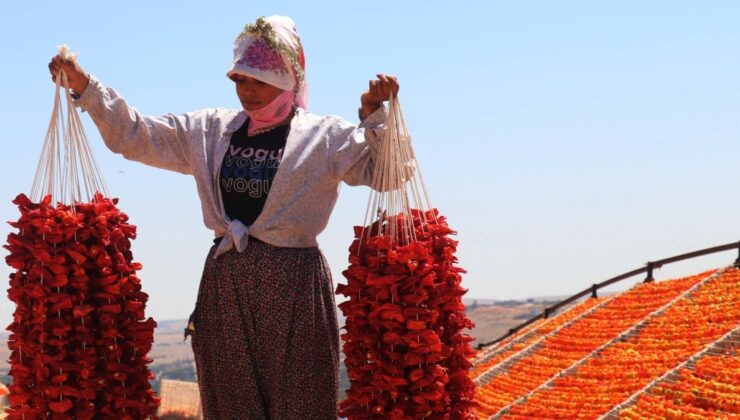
point(72, 302)
point(404, 317)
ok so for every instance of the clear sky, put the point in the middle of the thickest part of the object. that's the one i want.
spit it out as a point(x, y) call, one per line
point(566, 141)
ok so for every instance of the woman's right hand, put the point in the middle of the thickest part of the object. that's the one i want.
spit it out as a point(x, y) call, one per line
point(78, 78)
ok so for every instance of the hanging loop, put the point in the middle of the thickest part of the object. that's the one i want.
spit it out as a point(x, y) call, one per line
point(67, 169)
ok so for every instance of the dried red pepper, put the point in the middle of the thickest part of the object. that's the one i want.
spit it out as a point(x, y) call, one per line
point(405, 351)
point(79, 336)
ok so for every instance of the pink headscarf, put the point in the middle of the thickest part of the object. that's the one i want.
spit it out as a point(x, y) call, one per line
point(270, 50)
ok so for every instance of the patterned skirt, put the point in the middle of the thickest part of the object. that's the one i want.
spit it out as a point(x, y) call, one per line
point(265, 337)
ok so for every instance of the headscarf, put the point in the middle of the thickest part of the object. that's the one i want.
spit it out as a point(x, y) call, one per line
point(270, 50)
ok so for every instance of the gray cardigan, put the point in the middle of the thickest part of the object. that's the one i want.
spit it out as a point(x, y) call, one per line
point(320, 152)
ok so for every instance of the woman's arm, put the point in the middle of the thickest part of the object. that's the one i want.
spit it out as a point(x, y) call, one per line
point(355, 148)
point(163, 142)
point(355, 151)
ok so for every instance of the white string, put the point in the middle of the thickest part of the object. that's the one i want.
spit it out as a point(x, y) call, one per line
point(397, 182)
point(67, 169)
point(49, 166)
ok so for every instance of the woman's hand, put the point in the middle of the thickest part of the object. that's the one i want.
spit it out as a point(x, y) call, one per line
point(78, 78)
point(379, 90)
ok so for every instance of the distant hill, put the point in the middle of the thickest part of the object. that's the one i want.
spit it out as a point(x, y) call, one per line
point(495, 319)
point(173, 357)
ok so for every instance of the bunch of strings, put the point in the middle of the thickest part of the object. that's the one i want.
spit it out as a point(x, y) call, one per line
point(67, 169)
point(397, 184)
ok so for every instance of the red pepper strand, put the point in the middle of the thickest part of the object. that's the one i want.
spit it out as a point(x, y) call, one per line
point(404, 350)
point(62, 255)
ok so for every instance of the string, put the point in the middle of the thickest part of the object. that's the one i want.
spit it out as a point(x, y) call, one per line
point(397, 183)
point(67, 169)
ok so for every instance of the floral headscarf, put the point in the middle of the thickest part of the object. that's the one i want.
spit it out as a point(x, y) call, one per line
point(270, 50)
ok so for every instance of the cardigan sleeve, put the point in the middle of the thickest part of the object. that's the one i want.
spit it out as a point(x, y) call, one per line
point(161, 141)
point(353, 149)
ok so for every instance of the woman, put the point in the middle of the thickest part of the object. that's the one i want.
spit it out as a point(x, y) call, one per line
point(264, 328)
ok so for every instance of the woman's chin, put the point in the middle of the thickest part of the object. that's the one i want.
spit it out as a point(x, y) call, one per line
point(251, 107)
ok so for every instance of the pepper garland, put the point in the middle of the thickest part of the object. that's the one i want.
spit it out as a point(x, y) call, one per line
point(405, 350)
point(79, 337)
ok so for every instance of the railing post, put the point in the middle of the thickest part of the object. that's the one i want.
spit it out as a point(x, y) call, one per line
point(649, 277)
point(594, 288)
point(737, 261)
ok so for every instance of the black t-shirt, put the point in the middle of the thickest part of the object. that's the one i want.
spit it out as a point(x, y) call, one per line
point(249, 166)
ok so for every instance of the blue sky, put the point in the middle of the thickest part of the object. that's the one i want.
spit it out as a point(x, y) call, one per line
point(566, 141)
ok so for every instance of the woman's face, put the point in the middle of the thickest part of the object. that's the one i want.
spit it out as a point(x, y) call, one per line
point(254, 94)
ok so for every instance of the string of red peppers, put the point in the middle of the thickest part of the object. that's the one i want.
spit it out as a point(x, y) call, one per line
point(79, 337)
point(405, 352)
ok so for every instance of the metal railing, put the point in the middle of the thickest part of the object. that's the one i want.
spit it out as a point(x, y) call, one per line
point(648, 268)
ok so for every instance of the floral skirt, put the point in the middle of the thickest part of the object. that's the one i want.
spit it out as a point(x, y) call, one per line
point(265, 337)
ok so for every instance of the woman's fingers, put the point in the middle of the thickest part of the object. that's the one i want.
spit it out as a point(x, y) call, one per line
point(387, 84)
point(394, 85)
point(376, 87)
point(379, 90)
point(78, 79)
point(56, 64)
point(54, 70)
point(384, 87)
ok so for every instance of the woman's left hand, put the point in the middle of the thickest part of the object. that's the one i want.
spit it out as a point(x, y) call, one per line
point(378, 91)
